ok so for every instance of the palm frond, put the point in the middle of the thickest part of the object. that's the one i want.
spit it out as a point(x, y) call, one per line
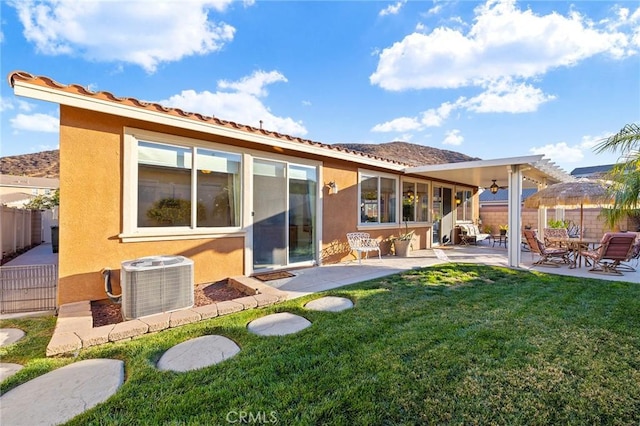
point(625, 141)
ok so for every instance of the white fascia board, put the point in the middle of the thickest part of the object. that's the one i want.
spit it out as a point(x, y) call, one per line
point(42, 93)
point(529, 159)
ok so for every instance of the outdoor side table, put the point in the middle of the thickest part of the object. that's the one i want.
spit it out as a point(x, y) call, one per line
point(500, 239)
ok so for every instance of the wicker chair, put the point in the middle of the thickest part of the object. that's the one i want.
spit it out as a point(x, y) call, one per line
point(615, 247)
point(548, 256)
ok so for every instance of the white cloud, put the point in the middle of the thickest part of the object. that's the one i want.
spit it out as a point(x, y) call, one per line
point(35, 123)
point(435, 10)
point(145, 32)
point(453, 137)
point(392, 9)
point(560, 152)
point(503, 41)
point(253, 84)
point(507, 96)
point(402, 124)
point(588, 142)
point(241, 104)
point(306, 103)
point(7, 104)
point(435, 117)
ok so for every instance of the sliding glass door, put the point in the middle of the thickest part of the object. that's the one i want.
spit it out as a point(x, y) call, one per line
point(284, 214)
point(442, 214)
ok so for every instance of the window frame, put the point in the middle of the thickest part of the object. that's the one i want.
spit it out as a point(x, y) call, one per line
point(415, 183)
point(379, 175)
point(461, 207)
point(130, 229)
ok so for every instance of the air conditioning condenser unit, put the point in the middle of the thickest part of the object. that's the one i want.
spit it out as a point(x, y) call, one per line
point(156, 284)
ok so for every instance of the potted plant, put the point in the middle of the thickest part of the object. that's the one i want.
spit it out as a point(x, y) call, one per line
point(503, 229)
point(385, 245)
point(402, 245)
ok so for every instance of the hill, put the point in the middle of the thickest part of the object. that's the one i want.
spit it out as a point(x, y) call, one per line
point(47, 163)
point(409, 153)
point(40, 164)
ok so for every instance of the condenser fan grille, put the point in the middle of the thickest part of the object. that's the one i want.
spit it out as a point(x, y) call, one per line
point(155, 285)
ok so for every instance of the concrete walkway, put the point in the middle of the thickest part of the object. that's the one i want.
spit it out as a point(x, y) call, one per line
point(39, 255)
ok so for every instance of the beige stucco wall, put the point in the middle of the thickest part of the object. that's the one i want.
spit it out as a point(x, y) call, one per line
point(91, 191)
point(91, 219)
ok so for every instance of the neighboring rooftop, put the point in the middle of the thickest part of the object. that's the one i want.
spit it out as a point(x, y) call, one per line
point(28, 181)
point(592, 171)
point(502, 196)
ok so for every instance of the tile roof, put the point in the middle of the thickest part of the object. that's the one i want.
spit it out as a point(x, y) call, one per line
point(155, 107)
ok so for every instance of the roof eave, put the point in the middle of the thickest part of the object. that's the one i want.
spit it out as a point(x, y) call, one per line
point(49, 94)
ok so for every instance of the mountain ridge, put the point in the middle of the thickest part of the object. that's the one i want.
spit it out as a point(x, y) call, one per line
point(47, 163)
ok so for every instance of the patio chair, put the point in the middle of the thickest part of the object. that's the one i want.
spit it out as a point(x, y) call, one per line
point(548, 256)
point(615, 247)
point(633, 257)
point(361, 242)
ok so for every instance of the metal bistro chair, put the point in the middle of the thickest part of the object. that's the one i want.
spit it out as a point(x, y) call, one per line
point(361, 242)
point(615, 247)
point(548, 256)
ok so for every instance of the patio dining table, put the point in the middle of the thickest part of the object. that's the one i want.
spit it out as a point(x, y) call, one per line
point(575, 245)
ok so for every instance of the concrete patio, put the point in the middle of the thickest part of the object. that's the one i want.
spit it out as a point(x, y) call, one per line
point(326, 277)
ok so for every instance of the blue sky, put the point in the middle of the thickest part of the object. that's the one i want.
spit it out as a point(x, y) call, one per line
point(490, 79)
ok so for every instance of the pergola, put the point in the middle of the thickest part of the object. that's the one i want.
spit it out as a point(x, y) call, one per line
point(514, 173)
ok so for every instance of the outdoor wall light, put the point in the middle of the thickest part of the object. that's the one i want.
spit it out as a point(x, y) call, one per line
point(333, 187)
point(458, 200)
point(494, 187)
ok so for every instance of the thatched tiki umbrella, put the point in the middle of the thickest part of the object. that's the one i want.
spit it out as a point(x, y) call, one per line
point(578, 193)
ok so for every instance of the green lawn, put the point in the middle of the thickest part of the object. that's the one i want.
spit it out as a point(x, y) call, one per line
point(462, 344)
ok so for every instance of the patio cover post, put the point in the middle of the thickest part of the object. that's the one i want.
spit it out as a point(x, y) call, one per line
point(515, 215)
point(542, 212)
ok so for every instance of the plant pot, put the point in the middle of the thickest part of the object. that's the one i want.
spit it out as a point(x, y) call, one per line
point(385, 248)
point(402, 247)
point(503, 232)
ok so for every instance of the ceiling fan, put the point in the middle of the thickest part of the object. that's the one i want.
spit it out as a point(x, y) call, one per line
point(494, 187)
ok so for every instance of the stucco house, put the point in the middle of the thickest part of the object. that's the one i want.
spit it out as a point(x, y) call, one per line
point(140, 179)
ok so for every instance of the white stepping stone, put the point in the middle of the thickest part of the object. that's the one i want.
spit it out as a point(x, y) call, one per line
point(62, 394)
point(330, 304)
point(198, 353)
point(8, 369)
point(10, 335)
point(278, 324)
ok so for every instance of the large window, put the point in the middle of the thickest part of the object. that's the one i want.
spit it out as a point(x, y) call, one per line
point(187, 186)
point(415, 201)
point(377, 199)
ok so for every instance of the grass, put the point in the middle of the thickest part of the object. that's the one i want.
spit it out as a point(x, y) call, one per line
point(463, 344)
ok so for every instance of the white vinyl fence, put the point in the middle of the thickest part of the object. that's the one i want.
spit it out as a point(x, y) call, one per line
point(23, 228)
point(15, 225)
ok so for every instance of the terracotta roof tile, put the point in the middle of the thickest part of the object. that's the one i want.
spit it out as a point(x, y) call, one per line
point(152, 106)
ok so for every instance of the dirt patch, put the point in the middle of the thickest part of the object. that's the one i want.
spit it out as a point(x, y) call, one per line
point(105, 313)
